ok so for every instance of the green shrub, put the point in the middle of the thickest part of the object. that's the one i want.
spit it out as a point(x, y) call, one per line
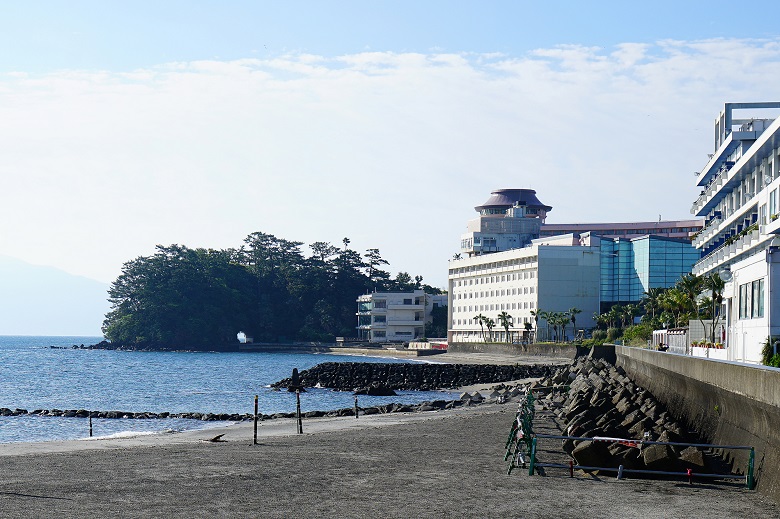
point(614, 333)
point(600, 336)
point(640, 332)
point(768, 352)
point(775, 361)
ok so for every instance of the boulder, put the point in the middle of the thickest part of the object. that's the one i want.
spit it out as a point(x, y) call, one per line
point(592, 454)
point(693, 458)
point(659, 457)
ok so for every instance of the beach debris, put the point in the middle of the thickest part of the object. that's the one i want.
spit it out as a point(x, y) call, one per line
point(217, 438)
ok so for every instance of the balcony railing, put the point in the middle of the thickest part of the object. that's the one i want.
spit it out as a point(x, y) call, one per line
point(712, 188)
point(726, 253)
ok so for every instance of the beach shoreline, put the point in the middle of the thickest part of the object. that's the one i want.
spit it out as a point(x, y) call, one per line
point(429, 464)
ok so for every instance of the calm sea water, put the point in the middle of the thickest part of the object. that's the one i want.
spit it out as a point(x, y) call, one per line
point(33, 375)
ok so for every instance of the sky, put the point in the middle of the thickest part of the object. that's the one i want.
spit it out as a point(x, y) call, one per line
point(131, 124)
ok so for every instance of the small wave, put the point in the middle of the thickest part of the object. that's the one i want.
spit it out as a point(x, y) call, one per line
point(130, 434)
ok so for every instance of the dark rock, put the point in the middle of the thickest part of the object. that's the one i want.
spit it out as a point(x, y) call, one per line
point(592, 454)
point(659, 457)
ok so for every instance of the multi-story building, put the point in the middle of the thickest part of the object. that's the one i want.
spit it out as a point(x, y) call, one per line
point(630, 267)
point(510, 219)
point(626, 230)
point(395, 316)
point(740, 204)
point(552, 274)
point(520, 273)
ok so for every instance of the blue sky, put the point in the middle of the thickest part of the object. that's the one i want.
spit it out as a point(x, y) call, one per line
point(117, 36)
point(128, 124)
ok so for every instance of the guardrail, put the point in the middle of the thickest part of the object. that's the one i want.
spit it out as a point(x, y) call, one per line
point(621, 470)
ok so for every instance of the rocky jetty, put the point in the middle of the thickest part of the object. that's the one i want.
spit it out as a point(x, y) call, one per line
point(353, 376)
point(604, 402)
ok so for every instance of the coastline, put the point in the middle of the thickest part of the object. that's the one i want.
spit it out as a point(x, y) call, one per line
point(430, 464)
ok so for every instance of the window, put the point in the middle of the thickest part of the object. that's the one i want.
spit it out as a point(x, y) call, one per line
point(751, 300)
point(380, 318)
point(379, 334)
point(409, 301)
point(380, 303)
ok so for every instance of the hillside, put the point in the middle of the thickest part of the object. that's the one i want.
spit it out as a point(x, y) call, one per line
point(38, 300)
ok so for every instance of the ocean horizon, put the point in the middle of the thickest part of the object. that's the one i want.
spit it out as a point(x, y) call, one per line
point(47, 372)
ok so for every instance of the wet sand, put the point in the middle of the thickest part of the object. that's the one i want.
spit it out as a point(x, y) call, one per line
point(435, 464)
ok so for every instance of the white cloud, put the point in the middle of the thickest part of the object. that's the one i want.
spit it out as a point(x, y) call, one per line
point(391, 150)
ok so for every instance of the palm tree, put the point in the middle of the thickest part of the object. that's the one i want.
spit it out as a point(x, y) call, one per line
point(573, 311)
point(629, 312)
point(481, 320)
point(535, 314)
point(544, 314)
point(651, 301)
point(506, 322)
point(716, 285)
point(490, 323)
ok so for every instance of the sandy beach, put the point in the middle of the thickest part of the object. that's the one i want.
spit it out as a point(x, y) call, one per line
point(434, 464)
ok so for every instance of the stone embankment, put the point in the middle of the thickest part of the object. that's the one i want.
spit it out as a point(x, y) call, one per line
point(352, 376)
point(604, 402)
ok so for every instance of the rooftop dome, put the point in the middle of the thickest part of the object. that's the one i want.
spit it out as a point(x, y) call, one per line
point(506, 198)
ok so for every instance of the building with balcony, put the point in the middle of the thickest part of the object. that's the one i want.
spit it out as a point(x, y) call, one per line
point(395, 316)
point(739, 202)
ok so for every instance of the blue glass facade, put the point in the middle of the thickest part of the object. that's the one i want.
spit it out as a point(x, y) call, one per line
point(630, 267)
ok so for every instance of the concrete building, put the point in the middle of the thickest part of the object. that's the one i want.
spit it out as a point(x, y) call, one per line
point(630, 267)
point(504, 266)
point(510, 219)
point(551, 274)
point(626, 230)
point(395, 316)
point(740, 202)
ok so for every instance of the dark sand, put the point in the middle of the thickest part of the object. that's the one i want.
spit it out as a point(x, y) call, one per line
point(439, 464)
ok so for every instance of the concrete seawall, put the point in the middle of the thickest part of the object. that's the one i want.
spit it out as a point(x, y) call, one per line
point(566, 351)
point(726, 403)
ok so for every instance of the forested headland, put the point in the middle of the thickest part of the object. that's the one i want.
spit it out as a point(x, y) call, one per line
point(269, 288)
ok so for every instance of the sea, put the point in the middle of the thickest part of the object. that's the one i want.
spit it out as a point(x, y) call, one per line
point(49, 373)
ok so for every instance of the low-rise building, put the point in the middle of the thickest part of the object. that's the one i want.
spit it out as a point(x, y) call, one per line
point(395, 316)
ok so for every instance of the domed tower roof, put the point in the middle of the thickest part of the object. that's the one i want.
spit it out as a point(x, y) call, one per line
point(506, 198)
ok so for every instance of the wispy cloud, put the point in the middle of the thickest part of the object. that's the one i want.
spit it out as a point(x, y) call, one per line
point(392, 150)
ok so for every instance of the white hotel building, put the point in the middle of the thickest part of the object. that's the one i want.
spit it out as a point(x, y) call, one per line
point(552, 274)
point(740, 202)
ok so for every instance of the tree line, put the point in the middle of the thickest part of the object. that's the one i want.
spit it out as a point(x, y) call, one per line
point(184, 298)
point(691, 298)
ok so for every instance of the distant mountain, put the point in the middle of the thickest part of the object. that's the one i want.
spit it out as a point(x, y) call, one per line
point(37, 300)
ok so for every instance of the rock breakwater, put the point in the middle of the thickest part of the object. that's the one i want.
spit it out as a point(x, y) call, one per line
point(352, 376)
point(604, 402)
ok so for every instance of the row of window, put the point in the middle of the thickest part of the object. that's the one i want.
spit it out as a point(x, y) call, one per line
point(494, 265)
point(527, 305)
point(527, 274)
point(496, 293)
point(472, 322)
point(751, 300)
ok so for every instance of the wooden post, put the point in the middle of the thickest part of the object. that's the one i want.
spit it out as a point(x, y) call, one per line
point(356, 407)
point(298, 410)
point(90, 425)
point(254, 441)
